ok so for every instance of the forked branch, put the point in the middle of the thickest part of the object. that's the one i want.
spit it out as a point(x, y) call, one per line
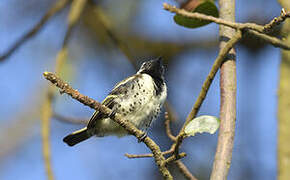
point(67, 89)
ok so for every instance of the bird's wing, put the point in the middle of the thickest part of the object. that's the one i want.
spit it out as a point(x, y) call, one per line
point(117, 91)
point(123, 86)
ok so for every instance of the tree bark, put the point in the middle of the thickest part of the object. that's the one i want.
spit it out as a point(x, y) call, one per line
point(228, 88)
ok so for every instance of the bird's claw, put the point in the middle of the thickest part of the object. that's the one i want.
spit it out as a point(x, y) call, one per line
point(112, 114)
point(144, 135)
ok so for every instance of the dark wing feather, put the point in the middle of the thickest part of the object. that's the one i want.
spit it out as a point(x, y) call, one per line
point(123, 87)
point(120, 89)
point(109, 102)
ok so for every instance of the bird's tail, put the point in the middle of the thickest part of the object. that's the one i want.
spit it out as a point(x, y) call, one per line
point(77, 137)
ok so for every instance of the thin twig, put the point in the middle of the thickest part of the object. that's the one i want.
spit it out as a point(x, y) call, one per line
point(70, 119)
point(45, 133)
point(141, 45)
point(167, 127)
point(253, 28)
point(131, 156)
point(219, 21)
point(171, 150)
point(184, 170)
point(77, 7)
point(205, 87)
point(172, 114)
point(128, 126)
point(271, 40)
point(277, 20)
point(57, 7)
point(168, 160)
point(73, 17)
point(175, 158)
point(109, 29)
point(179, 139)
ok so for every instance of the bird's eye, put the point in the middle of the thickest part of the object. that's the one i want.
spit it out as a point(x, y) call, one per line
point(144, 65)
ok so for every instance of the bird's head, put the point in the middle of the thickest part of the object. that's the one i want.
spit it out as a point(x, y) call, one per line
point(153, 67)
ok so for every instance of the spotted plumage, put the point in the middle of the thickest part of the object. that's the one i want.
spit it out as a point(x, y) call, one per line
point(138, 99)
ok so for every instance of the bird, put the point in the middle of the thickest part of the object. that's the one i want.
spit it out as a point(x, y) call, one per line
point(138, 99)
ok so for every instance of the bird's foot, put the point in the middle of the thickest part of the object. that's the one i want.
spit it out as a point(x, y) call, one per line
point(140, 139)
point(112, 114)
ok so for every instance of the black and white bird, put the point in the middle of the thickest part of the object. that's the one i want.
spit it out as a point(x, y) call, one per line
point(137, 99)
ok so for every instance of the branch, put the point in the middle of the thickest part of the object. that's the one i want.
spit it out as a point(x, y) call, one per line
point(175, 158)
point(70, 119)
point(228, 92)
point(271, 40)
point(131, 156)
point(253, 28)
point(128, 126)
point(219, 21)
point(172, 114)
point(73, 17)
point(183, 169)
point(109, 29)
point(167, 127)
point(45, 134)
point(57, 7)
point(277, 20)
point(169, 134)
point(205, 87)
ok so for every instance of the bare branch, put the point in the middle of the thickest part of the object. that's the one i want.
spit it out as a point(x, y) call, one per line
point(253, 28)
point(131, 156)
point(172, 114)
point(179, 139)
point(277, 20)
point(109, 29)
point(271, 40)
point(45, 133)
point(205, 87)
point(70, 119)
point(219, 21)
point(167, 128)
point(75, 11)
point(65, 88)
point(184, 170)
point(57, 7)
point(175, 158)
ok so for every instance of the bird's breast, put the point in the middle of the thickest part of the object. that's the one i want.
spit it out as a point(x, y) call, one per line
point(141, 105)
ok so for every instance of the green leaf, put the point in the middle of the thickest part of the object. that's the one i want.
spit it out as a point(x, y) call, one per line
point(207, 7)
point(202, 124)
